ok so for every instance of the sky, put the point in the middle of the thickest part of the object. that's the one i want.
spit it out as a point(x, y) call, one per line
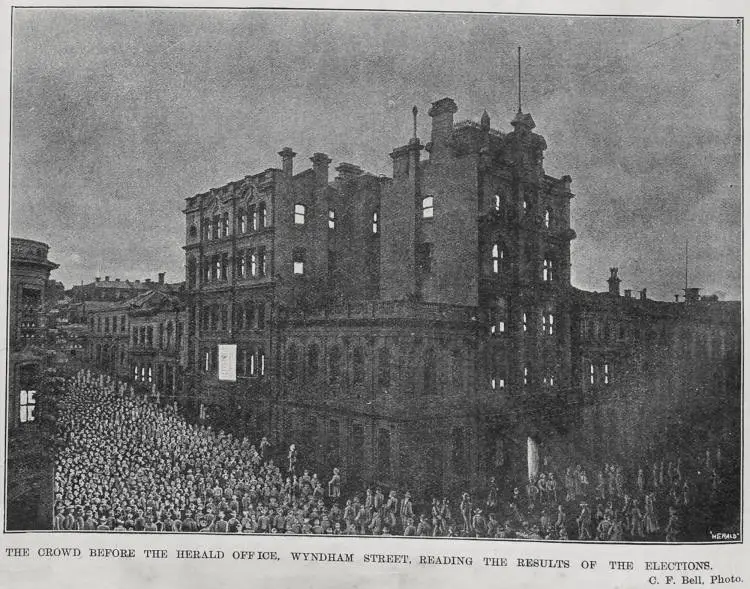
point(118, 115)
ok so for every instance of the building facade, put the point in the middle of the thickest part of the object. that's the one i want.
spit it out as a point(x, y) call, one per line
point(29, 497)
point(421, 330)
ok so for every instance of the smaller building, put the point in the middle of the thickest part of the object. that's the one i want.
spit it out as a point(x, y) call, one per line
point(157, 326)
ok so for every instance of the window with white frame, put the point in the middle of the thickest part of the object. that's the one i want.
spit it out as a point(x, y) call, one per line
point(298, 259)
point(606, 373)
point(428, 207)
point(498, 255)
point(27, 405)
point(375, 223)
point(299, 214)
point(592, 373)
point(332, 219)
point(496, 201)
point(547, 270)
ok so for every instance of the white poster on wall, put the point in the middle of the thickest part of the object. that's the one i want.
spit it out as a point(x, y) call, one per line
point(228, 362)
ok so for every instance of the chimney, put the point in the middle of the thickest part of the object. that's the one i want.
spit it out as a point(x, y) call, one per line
point(148, 281)
point(614, 282)
point(161, 277)
point(676, 298)
point(287, 161)
point(117, 280)
point(106, 279)
point(442, 112)
point(320, 167)
point(348, 171)
point(97, 279)
point(643, 294)
point(692, 295)
point(628, 293)
point(137, 281)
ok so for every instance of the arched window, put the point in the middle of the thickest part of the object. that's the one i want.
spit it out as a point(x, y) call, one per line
point(262, 216)
point(252, 215)
point(253, 264)
point(334, 365)
point(428, 209)
point(548, 322)
point(261, 362)
point(225, 225)
point(498, 255)
point(241, 220)
point(313, 360)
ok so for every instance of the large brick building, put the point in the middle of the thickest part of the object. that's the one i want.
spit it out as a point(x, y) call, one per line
point(421, 329)
point(29, 465)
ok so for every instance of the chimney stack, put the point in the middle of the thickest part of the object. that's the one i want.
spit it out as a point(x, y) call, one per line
point(442, 112)
point(614, 282)
point(148, 281)
point(628, 293)
point(320, 163)
point(106, 279)
point(97, 279)
point(161, 277)
point(348, 171)
point(287, 161)
point(643, 294)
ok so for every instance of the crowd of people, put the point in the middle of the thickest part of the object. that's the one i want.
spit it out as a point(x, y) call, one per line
point(131, 464)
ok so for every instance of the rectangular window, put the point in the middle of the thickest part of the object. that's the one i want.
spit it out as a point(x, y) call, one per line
point(252, 215)
point(375, 223)
point(299, 214)
point(225, 225)
point(262, 362)
point(525, 375)
point(27, 405)
point(299, 261)
point(224, 317)
point(224, 266)
point(253, 264)
point(207, 361)
point(252, 364)
point(548, 322)
point(428, 209)
point(242, 221)
point(547, 270)
point(332, 219)
point(261, 316)
point(606, 373)
point(592, 375)
point(216, 267)
point(215, 227)
point(525, 323)
point(241, 264)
